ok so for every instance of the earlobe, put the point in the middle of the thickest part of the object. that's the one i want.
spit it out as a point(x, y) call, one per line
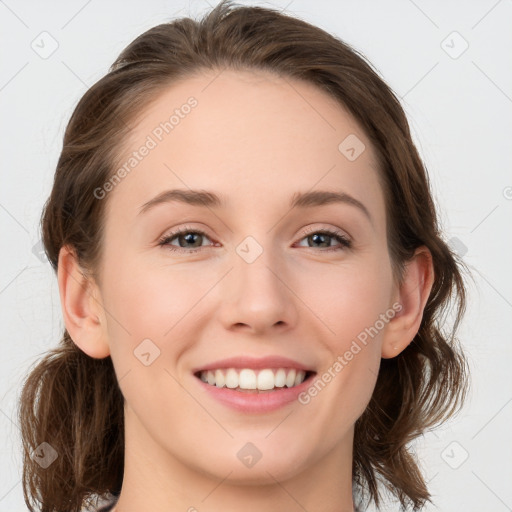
point(412, 297)
point(81, 307)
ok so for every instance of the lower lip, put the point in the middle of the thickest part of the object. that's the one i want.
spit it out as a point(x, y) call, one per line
point(266, 401)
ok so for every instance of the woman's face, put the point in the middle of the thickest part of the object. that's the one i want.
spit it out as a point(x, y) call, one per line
point(251, 278)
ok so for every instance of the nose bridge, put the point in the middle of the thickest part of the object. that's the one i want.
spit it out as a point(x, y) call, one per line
point(262, 271)
point(256, 268)
point(257, 295)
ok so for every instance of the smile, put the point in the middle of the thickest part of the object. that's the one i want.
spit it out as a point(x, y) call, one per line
point(249, 380)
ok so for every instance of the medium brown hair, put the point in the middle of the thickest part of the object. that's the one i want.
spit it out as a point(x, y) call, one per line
point(74, 403)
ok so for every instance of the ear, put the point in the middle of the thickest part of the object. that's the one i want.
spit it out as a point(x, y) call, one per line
point(81, 306)
point(412, 296)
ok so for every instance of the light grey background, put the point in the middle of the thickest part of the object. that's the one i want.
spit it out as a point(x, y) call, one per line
point(460, 110)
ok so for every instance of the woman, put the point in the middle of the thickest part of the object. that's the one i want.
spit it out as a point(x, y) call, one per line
point(252, 368)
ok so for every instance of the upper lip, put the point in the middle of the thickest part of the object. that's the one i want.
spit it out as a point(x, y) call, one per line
point(254, 363)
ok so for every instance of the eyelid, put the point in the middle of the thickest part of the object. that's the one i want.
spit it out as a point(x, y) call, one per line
point(314, 229)
point(185, 228)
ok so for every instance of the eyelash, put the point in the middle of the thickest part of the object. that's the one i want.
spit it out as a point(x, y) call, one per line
point(166, 239)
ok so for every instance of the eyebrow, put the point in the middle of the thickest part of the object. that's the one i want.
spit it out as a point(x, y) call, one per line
point(211, 200)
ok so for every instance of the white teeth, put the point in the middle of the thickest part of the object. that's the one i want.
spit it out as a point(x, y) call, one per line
point(231, 379)
point(266, 380)
point(247, 378)
point(280, 379)
point(299, 377)
point(290, 378)
point(219, 379)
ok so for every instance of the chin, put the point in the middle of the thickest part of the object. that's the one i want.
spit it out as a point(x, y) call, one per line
point(268, 464)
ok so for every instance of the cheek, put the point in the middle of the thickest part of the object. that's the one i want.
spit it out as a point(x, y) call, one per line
point(355, 306)
point(151, 301)
point(348, 299)
point(342, 388)
point(151, 322)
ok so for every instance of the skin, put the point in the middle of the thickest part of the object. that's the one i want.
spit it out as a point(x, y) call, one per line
point(256, 139)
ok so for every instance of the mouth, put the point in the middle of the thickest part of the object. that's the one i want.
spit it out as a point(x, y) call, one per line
point(250, 380)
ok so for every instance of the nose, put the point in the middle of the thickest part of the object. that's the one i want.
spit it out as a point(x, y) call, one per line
point(257, 296)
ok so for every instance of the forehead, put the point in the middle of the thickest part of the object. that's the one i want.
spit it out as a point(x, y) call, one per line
point(250, 135)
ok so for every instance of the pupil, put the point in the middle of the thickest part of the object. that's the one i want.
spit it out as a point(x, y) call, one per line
point(315, 237)
point(189, 238)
